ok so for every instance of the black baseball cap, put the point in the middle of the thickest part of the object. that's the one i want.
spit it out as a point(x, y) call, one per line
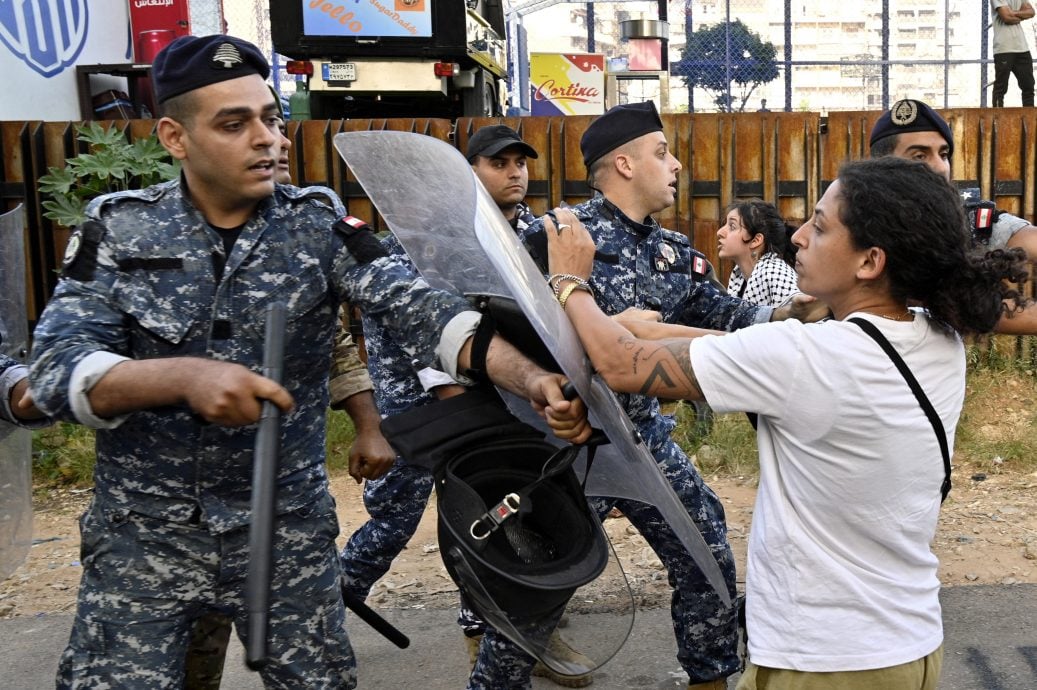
point(492, 139)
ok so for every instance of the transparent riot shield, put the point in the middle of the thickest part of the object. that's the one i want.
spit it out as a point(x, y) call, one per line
point(15, 443)
point(459, 241)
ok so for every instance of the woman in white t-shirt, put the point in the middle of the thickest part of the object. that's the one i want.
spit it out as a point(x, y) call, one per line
point(841, 586)
point(754, 237)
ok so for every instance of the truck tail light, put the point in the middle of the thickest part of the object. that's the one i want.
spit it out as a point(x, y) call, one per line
point(299, 67)
point(447, 69)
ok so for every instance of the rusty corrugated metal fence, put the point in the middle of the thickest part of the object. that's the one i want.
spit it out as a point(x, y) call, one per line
point(786, 158)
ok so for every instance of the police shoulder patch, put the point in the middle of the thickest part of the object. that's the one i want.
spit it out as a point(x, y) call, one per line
point(72, 248)
point(699, 263)
point(360, 239)
point(80, 260)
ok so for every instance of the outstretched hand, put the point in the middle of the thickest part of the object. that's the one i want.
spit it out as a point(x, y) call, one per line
point(803, 308)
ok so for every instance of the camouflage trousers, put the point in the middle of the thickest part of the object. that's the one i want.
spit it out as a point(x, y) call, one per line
point(146, 581)
point(706, 631)
point(395, 503)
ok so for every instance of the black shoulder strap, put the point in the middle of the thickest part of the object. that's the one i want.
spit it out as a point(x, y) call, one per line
point(934, 419)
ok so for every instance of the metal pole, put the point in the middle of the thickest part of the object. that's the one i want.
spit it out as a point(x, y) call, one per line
point(946, 50)
point(689, 29)
point(727, 54)
point(665, 17)
point(590, 27)
point(788, 56)
point(885, 54)
point(511, 40)
point(983, 52)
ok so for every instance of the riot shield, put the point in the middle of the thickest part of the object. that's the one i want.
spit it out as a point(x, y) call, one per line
point(459, 241)
point(15, 442)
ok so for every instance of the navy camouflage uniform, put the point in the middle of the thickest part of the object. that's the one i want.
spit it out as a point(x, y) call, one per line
point(640, 264)
point(210, 634)
point(396, 501)
point(165, 538)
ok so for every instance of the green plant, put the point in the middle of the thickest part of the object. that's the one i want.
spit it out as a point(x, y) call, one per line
point(340, 437)
point(997, 430)
point(726, 446)
point(112, 164)
point(63, 455)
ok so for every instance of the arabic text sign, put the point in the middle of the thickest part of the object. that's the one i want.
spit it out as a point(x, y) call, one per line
point(572, 84)
point(360, 18)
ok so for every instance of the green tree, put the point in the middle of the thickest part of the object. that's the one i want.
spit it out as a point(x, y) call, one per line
point(712, 50)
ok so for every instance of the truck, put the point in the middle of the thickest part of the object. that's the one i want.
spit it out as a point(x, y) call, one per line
point(394, 58)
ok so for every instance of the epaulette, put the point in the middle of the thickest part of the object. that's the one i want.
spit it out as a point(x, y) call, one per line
point(318, 194)
point(148, 195)
point(676, 237)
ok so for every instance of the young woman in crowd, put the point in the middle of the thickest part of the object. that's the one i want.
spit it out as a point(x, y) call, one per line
point(841, 586)
point(755, 237)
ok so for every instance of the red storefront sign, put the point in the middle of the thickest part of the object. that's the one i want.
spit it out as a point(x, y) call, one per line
point(155, 23)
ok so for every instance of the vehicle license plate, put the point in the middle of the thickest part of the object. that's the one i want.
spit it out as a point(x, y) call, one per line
point(338, 71)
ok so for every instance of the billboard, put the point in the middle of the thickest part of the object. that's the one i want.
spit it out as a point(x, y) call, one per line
point(566, 84)
point(360, 18)
point(42, 41)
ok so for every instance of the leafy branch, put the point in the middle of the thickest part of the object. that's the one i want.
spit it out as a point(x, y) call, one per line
point(112, 164)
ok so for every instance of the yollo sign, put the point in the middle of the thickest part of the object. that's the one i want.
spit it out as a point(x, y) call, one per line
point(360, 18)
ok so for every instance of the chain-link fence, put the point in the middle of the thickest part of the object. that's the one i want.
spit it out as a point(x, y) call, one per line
point(746, 55)
point(250, 19)
point(809, 55)
point(207, 17)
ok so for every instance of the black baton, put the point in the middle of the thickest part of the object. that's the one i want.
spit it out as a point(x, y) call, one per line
point(371, 617)
point(264, 496)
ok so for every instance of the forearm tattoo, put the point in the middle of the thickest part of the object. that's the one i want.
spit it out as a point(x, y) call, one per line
point(668, 377)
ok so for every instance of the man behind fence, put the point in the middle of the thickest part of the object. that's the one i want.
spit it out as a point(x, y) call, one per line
point(1011, 51)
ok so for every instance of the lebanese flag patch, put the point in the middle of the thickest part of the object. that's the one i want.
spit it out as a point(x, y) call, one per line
point(698, 265)
point(353, 222)
point(984, 217)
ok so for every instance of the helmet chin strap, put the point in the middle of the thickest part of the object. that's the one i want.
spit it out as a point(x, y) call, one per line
point(521, 501)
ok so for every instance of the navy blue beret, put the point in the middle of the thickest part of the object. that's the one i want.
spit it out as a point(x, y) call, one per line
point(191, 62)
point(910, 116)
point(619, 124)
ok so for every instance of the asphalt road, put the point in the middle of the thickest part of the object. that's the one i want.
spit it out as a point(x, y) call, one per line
point(991, 644)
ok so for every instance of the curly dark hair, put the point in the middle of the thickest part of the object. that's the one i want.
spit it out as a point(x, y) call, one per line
point(762, 218)
point(916, 216)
